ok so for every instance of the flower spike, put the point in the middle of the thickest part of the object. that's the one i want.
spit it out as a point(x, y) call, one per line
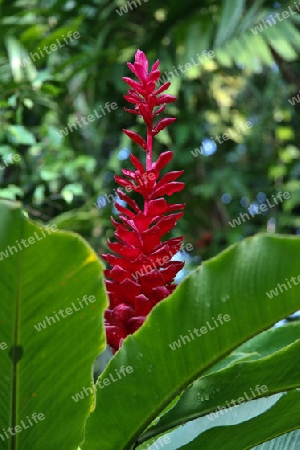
point(142, 273)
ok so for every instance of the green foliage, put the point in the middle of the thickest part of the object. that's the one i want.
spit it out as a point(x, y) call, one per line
point(253, 361)
point(248, 79)
point(43, 366)
point(243, 435)
point(58, 175)
point(166, 374)
point(166, 359)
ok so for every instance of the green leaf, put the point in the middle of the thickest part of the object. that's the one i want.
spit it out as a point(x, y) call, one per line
point(223, 57)
point(5, 151)
point(242, 275)
point(249, 16)
point(59, 37)
point(17, 134)
point(71, 190)
point(15, 57)
point(291, 32)
point(285, 133)
point(237, 51)
point(11, 192)
point(230, 18)
point(236, 381)
point(290, 441)
point(262, 49)
point(278, 40)
point(269, 418)
point(44, 272)
point(34, 32)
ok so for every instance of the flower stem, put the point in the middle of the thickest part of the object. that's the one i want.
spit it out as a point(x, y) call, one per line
point(149, 151)
point(148, 160)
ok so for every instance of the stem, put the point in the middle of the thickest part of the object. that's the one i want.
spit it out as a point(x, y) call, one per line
point(148, 160)
point(149, 151)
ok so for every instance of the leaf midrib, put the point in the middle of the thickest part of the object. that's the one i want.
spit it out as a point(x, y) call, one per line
point(16, 335)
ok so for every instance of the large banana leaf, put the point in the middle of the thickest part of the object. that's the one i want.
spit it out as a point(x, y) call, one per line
point(290, 441)
point(47, 356)
point(165, 354)
point(242, 379)
point(241, 429)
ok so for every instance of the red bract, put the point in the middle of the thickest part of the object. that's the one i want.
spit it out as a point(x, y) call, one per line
point(142, 273)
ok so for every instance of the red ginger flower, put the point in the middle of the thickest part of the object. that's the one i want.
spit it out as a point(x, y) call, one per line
point(142, 274)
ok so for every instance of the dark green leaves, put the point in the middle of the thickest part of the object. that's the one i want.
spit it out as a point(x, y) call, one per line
point(235, 283)
point(51, 303)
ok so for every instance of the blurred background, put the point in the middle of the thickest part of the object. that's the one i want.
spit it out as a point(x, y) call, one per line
point(234, 67)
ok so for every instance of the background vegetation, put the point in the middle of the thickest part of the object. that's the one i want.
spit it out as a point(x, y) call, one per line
point(250, 78)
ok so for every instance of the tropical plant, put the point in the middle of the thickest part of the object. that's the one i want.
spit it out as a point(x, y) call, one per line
point(201, 351)
point(143, 273)
point(207, 348)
